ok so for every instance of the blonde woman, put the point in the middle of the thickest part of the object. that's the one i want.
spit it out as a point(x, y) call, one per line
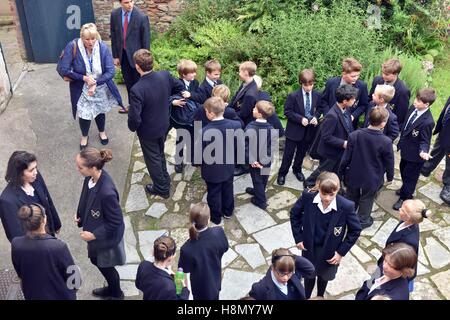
point(88, 63)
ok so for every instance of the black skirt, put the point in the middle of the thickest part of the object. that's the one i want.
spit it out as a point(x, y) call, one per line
point(323, 269)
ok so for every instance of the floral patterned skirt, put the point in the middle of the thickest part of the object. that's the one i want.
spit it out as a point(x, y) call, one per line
point(89, 107)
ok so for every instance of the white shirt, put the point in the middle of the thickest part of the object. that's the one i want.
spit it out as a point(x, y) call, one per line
point(376, 284)
point(419, 113)
point(281, 286)
point(29, 193)
point(310, 100)
point(91, 183)
point(218, 118)
point(164, 269)
point(261, 120)
point(210, 82)
point(402, 226)
point(186, 84)
point(318, 201)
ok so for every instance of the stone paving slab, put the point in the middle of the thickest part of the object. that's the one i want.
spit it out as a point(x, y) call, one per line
point(137, 199)
point(444, 236)
point(228, 257)
point(442, 280)
point(293, 183)
point(178, 195)
point(343, 282)
point(384, 232)
point(129, 288)
point(131, 253)
point(188, 172)
point(283, 215)
point(241, 183)
point(431, 190)
point(421, 269)
point(360, 254)
point(156, 210)
point(252, 254)
point(279, 236)
point(128, 271)
point(370, 232)
point(427, 225)
point(146, 240)
point(253, 218)
point(424, 290)
point(138, 165)
point(236, 284)
point(180, 235)
point(422, 257)
point(137, 177)
point(439, 257)
point(281, 200)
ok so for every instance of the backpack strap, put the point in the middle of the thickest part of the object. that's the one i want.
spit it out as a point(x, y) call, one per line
point(74, 50)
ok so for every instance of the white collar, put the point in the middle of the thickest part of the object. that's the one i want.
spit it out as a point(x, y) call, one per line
point(281, 286)
point(186, 83)
point(318, 201)
point(218, 118)
point(210, 82)
point(419, 113)
point(164, 269)
point(30, 193)
point(261, 120)
point(402, 226)
point(383, 106)
point(91, 183)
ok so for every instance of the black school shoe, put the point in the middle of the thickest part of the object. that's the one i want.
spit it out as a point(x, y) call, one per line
point(445, 195)
point(281, 180)
point(179, 168)
point(101, 292)
point(103, 141)
point(151, 189)
point(250, 191)
point(299, 175)
point(398, 204)
point(259, 205)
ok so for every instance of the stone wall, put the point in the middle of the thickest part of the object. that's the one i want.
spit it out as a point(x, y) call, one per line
point(5, 87)
point(160, 12)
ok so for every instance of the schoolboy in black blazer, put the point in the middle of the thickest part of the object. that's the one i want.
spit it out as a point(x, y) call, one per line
point(414, 144)
point(212, 79)
point(149, 117)
point(302, 110)
point(245, 98)
point(260, 135)
point(390, 70)
point(440, 150)
point(335, 128)
point(382, 95)
point(218, 173)
point(351, 70)
point(369, 155)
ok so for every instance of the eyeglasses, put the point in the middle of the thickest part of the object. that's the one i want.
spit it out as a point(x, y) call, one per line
point(282, 274)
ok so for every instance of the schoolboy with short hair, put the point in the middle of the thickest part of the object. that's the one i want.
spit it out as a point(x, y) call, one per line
point(258, 149)
point(390, 71)
point(302, 110)
point(382, 95)
point(213, 70)
point(414, 144)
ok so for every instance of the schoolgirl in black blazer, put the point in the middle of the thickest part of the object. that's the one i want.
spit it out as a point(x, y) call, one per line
point(325, 227)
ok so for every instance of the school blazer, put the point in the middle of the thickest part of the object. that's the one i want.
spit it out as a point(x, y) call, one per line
point(157, 284)
point(202, 259)
point(392, 129)
point(396, 289)
point(244, 101)
point(261, 139)
point(333, 134)
point(74, 68)
point(223, 171)
point(274, 120)
point(343, 230)
point(138, 33)
point(230, 113)
point(13, 198)
point(329, 96)
point(443, 130)
point(203, 92)
point(42, 263)
point(368, 156)
point(265, 289)
point(294, 110)
point(417, 138)
point(149, 111)
point(101, 213)
point(400, 101)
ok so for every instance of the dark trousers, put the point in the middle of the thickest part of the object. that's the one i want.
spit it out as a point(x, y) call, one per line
point(259, 185)
point(299, 148)
point(363, 200)
point(155, 160)
point(112, 278)
point(438, 153)
point(100, 120)
point(129, 73)
point(326, 164)
point(311, 282)
point(410, 172)
point(220, 199)
point(181, 143)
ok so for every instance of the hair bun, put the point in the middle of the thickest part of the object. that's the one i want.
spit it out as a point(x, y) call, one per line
point(426, 213)
point(106, 155)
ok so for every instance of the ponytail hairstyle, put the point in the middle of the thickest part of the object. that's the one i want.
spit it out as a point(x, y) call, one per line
point(402, 257)
point(163, 248)
point(416, 211)
point(199, 216)
point(32, 216)
point(327, 183)
point(95, 158)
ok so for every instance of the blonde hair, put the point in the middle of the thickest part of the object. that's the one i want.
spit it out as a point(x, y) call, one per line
point(221, 91)
point(416, 210)
point(350, 65)
point(265, 108)
point(391, 66)
point(212, 65)
point(215, 105)
point(89, 29)
point(385, 91)
point(186, 66)
point(248, 66)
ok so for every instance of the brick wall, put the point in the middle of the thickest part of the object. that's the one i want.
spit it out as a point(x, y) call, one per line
point(160, 12)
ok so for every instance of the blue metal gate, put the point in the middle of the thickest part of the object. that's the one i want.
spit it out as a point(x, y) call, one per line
point(48, 25)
